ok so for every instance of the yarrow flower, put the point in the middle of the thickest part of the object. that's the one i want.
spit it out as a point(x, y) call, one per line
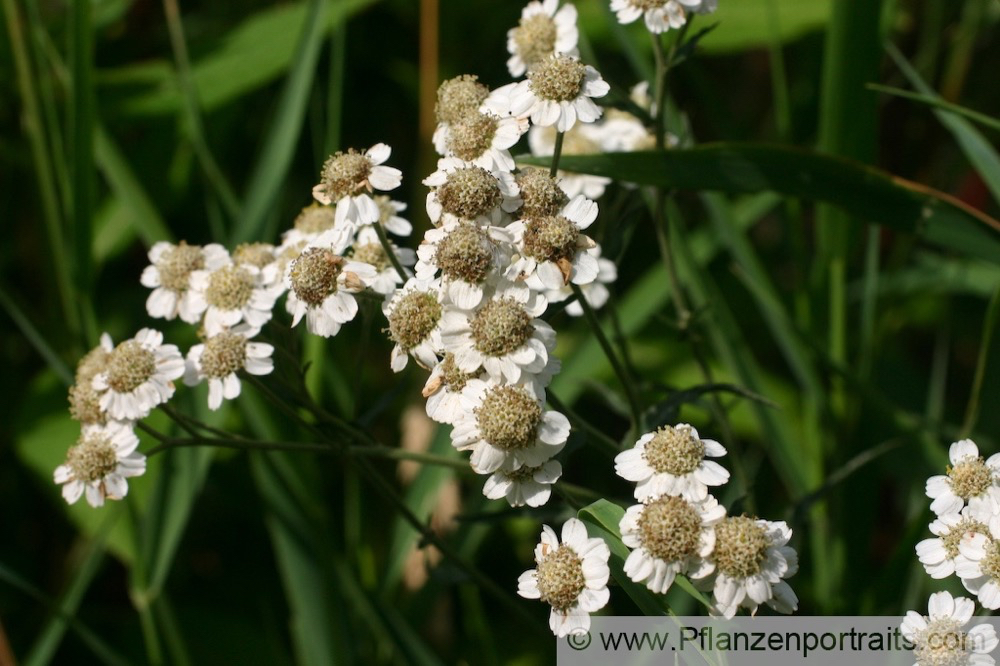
point(571, 576)
point(978, 563)
point(669, 536)
point(98, 464)
point(467, 255)
point(672, 461)
point(444, 387)
point(751, 560)
point(414, 316)
point(552, 250)
point(464, 191)
point(659, 15)
point(558, 92)
point(234, 293)
point(524, 484)
point(541, 32)
point(321, 286)
point(968, 477)
point(940, 554)
point(368, 249)
point(938, 637)
point(84, 401)
point(169, 276)
point(221, 356)
point(348, 179)
point(139, 375)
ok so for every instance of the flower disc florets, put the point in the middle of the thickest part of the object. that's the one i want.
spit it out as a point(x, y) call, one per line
point(508, 418)
point(224, 354)
point(674, 451)
point(93, 457)
point(452, 376)
point(954, 536)
point(970, 477)
point(560, 78)
point(314, 275)
point(470, 193)
point(465, 254)
point(501, 326)
point(740, 546)
point(458, 97)
point(551, 238)
point(541, 193)
point(346, 174)
point(129, 366)
point(258, 255)
point(560, 578)
point(373, 254)
point(177, 264)
point(315, 219)
point(229, 288)
point(413, 318)
point(941, 643)
point(534, 38)
point(85, 404)
point(670, 529)
point(472, 136)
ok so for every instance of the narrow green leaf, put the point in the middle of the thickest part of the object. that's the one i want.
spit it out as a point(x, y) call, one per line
point(864, 192)
point(938, 103)
point(36, 339)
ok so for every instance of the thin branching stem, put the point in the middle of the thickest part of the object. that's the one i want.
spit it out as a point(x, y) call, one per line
point(389, 252)
point(557, 154)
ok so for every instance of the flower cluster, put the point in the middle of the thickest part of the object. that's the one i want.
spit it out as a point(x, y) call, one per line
point(680, 529)
point(661, 15)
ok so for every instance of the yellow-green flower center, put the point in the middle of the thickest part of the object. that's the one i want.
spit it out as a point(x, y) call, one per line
point(466, 253)
point(670, 529)
point(314, 275)
point(224, 354)
point(254, 254)
point(458, 97)
point(452, 376)
point(315, 219)
point(472, 136)
point(413, 318)
point(469, 193)
point(954, 537)
point(551, 238)
point(508, 418)
point(535, 38)
point(373, 254)
point(941, 643)
point(177, 263)
point(740, 546)
point(558, 79)
point(674, 451)
point(346, 174)
point(541, 193)
point(970, 478)
point(501, 326)
point(229, 288)
point(92, 458)
point(560, 578)
point(129, 366)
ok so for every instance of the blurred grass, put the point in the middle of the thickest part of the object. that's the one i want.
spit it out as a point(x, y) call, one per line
point(136, 129)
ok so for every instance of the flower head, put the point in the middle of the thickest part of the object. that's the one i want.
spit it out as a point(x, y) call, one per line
point(469, 257)
point(659, 15)
point(672, 461)
point(938, 637)
point(465, 191)
point(968, 477)
point(98, 464)
point(543, 30)
point(571, 576)
point(940, 554)
point(321, 286)
point(221, 357)
point(559, 91)
point(520, 485)
point(140, 375)
point(978, 563)
point(414, 316)
point(348, 179)
point(169, 276)
point(552, 249)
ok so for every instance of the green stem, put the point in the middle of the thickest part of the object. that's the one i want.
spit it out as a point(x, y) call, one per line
point(390, 453)
point(556, 154)
point(989, 325)
point(609, 352)
point(389, 252)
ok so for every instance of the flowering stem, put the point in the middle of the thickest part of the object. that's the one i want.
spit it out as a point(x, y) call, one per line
point(391, 453)
point(623, 377)
point(389, 252)
point(556, 154)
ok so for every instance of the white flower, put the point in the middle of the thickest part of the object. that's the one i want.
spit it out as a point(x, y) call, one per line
point(443, 390)
point(414, 316)
point(312, 221)
point(595, 292)
point(169, 276)
point(669, 536)
point(464, 191)
point(389, 218)
point(938, 637)
point(483, 139)
point(139, 376)
point(523, 485)
point(941, 554)
point(552, 249)
point(671, 461)
point(368, 250)
point(505, 424)
point(541, 32)
point(581, 140)
point(572, 577)
point(456, 99)
point(234, 293)
point(559, 91)
point(978, 563)
point(968, 476)
point(469, 257)
point(660, 15)
point(751, 560)
point(321, 286)
point(700, 6)
point(503, 335)
point(348, 179)
point(99, 463)
point(221, 356)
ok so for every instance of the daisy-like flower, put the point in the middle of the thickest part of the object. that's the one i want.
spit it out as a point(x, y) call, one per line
point(414, 315)
point(464, 191)
point(84, 401)
point(469, 257)
point(581, 140)
point(443, 390)
point(321, 286)
point(968, 477)
point(484, 139)
point(262, 257)
point(368, 250)
point(541, 32)
point(978, 563)
point(671, 461)
point(221, 356)
point(233, 293)
point(541, 195)
point(503, 335)
point(349, 178)
point(572, 577)
point(596, 292)
point(552, 248)
point(523, 485)
point(139, 376)
point(504, 424)
point(313, 220)
point(559, 92)
point(659, 15)
point(169, 276)
point(98, 464)
point(940, 554)
point(456, 99)
point(751, 558)
point(939, 639)
point(669, 536)
point(389, 218)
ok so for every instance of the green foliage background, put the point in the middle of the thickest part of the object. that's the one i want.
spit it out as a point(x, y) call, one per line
point(849, 353)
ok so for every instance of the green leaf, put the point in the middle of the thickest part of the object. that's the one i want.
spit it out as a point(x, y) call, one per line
point(864, 192)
